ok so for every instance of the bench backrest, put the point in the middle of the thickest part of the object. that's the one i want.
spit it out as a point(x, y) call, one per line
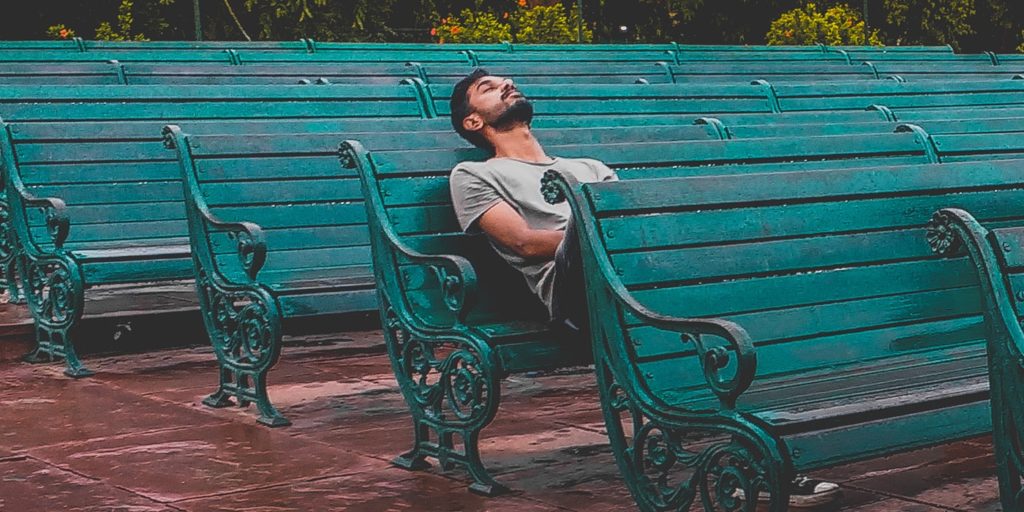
point(97, 103)
point(312, 214)
point(587, 99)
point(123, 187)
point(822, 269)
point(920, 94)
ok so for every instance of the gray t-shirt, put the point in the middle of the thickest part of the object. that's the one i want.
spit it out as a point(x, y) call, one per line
point(477, 186)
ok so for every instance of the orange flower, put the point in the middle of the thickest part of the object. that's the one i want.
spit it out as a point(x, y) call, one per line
point(433, 31)
point(456, 29)
point(64, 33)
point(522, 3)
point(789, 33)
point(504, 15)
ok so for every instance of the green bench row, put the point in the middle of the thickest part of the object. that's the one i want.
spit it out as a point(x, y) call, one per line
point(385, 53)
point(362, 73)
point(310, 45)
point(115, 72)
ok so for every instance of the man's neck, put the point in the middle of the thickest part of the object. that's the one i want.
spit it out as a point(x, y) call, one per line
point(519, 143)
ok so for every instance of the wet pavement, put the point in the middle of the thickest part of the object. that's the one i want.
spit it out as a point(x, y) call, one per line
point(136, 438)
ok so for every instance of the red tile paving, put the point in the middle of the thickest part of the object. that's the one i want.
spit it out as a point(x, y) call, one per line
point(135, 438)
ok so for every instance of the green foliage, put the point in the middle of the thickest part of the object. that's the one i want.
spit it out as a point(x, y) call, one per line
point(930, 21)
point(105, 31)
point(59, 31)
point(547, 24)
point(538, 24)
point(472, 27)
point(838, 25)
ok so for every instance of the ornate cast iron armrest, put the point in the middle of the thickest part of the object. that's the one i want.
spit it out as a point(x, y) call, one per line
point(454, 273)
point(953, 230)
point(58, 223)
point(738, 353)
point(251, 243)
point(555, 188)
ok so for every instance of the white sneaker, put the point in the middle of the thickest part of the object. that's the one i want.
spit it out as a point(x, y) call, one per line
point(803, 493)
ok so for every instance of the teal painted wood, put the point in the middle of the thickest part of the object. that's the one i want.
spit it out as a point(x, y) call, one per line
point(111, 195)
point(930, 122)
point(675, 99)
point(992, 249)
point(921, 94)
point(313, 255)
point(207, 102)
point(819, 329)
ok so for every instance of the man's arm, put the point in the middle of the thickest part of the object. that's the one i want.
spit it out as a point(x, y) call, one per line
point(505, 226)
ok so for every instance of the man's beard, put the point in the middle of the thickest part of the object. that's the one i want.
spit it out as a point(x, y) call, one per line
point(520, 112)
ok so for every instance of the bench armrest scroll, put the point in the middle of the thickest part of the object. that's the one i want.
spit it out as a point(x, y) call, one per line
point(251, 242)
point(728, 369)
point(454, 273)
point(58, 223)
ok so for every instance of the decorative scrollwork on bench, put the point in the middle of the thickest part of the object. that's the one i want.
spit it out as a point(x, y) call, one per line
point(244, 331)
point(447, 380)
point(672, 466)
point(251, 251)
point(942, 236)
point(54, 292)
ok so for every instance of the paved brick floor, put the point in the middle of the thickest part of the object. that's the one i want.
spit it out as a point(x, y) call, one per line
point(135, 438)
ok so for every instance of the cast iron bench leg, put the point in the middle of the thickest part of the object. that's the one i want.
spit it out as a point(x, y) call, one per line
point(452, 389)
point(9, 259)
point(244, 325)
point(55, 292)
point(673, 464)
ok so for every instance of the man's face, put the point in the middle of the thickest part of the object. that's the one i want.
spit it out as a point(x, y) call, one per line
point(494, 101)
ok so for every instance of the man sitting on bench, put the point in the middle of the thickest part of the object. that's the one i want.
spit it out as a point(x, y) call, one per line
point(501, 197)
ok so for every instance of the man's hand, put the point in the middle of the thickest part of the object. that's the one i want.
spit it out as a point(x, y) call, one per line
point(505, 226)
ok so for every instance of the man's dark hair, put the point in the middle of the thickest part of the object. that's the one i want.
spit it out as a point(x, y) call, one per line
point(460, 109)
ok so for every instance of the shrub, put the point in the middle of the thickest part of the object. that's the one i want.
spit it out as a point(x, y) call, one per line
point(547, 24)
point(472, 27)
point(538, 24)
point(839, 25)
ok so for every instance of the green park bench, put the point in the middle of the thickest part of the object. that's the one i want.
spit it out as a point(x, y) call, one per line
point(749, 327)
point(458, 320)
point(89, 202)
